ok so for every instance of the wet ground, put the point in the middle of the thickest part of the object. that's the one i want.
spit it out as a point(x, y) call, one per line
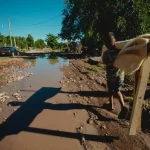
point(54, 103)
point(30, 116)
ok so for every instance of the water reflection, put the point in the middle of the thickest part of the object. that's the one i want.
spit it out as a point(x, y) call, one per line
point(42, 56)
point(28, 63)
point(40, 66)
point(53, 59)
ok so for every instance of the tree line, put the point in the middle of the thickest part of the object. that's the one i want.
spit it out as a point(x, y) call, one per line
point(89, 20)
point(28, 42)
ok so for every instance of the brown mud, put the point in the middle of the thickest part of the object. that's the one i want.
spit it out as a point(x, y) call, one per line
point(53, 103)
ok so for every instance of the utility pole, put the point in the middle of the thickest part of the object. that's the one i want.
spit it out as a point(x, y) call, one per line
point(15, 41)
point(2, 35)
point(9, 32)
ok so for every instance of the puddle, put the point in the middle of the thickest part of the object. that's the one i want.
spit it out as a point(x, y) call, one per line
point(45, 69)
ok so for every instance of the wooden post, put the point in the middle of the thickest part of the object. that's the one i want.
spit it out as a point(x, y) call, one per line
point(139, 92)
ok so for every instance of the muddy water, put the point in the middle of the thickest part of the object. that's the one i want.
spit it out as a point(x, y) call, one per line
point(44, 81)
point(36, 121)
point(46, 71)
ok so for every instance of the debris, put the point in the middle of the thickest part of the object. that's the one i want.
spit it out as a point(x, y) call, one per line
point(4, 120)
point(103, 126)
point(7, 97)
point(90, 121)
point(69, 95)
point(18, 91)
point(126, 123)
point(76, 95)
point(80, 129)
point(3, 97)
point(3, 94)
point(61, 81)
point(3, 100)
point(83, 140)
point(75, 114)
point(81, 78)
point(84, 97)
point(16, 94)
point(97, 122)
point(18, 98)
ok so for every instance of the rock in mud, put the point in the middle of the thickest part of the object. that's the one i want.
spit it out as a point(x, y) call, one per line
point(84, 97)
point(103, 126)
point(16, 94)
point(75, 114)
point(4, 120)
point(83, 140)
point(3, 94)
point(3, 97)
point(61, 81)
point(80, 129)
point(90, 121)
point(126, 123)
point(76, 95)
point(29, 74)
point(69, 95)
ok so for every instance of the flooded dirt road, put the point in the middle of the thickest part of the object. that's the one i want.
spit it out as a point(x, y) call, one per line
point(35, 116)
point(54, 103)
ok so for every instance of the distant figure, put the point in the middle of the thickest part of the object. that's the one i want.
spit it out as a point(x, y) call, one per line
point(115, 76)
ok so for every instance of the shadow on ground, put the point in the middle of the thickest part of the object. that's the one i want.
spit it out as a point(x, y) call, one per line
point(22, 118)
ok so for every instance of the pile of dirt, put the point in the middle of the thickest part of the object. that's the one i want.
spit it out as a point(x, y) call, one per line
point(9, 72)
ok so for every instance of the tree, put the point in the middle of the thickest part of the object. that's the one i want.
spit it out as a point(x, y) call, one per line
point(90, 19)
point(40, 43)
point(52, 59)
point(30, 41)
point(51, 41)
point(21, 42)
point(61, 45)
point(2, 40)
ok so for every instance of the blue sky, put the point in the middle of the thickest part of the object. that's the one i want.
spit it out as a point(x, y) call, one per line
point(24, 13)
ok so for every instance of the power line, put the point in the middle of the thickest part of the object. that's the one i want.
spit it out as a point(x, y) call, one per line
point(41, 21)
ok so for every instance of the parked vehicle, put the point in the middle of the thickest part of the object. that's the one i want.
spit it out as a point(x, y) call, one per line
point(9, 50)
